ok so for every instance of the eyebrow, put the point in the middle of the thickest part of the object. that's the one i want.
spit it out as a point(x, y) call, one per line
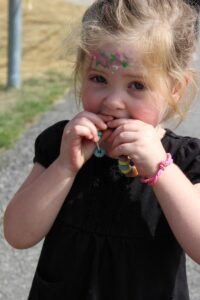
point(128, 75)
point(99, 71)
point(138, 76)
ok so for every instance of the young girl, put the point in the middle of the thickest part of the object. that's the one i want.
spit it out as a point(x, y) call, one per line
point(116, 196)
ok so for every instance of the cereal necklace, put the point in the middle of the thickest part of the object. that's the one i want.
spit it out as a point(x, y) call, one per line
point(125, 164)
point(99, 152)
point(127, 167)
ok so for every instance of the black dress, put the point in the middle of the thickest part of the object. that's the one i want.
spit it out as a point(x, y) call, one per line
point(110, 240)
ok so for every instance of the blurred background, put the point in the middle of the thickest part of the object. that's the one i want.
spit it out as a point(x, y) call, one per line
point(45, 80)
point(42, 97)
point(45, 67)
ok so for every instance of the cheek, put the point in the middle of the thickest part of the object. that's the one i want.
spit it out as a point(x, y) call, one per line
point(89, 107)
point(91, 97)
point(149, 118)
point(148, 113)
point(155, 116)
point(89, 101)
point(156, 107)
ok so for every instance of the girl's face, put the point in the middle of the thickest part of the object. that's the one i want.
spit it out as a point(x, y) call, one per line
point(116, 84)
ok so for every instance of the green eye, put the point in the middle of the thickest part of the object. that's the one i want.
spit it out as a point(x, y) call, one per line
point(98, 79)
point(137, 86)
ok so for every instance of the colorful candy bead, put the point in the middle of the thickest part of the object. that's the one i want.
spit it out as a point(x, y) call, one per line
point(125, 165)
point(127, 168)
point(99, 152)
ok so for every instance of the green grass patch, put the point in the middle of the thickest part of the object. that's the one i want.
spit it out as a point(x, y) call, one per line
point(36, 96)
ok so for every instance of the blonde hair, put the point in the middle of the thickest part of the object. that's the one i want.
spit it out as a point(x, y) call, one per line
point(164, 30)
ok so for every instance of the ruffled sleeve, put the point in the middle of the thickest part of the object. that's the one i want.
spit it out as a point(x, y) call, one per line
point(47, 144)
point(188, 159)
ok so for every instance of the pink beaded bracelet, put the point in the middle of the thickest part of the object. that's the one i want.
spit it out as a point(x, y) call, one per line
point(162, 165)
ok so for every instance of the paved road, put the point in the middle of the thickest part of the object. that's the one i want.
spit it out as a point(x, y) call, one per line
point(17, 266)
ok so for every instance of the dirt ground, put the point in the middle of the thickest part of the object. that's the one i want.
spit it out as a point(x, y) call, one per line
point(44, 27)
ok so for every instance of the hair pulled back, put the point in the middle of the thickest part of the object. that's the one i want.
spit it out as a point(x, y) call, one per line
point(165, 31)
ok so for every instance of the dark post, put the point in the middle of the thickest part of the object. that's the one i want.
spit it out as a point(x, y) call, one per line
point(14, 43)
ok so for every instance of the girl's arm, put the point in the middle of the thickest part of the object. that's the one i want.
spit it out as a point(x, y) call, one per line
point(33, 209)
point(178, 197)
point(180, 202)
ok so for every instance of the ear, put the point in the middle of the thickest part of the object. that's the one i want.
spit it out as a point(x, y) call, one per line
point(179, 89)
point(187, 80)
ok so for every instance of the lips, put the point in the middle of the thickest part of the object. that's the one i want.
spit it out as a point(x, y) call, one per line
point(116, 116)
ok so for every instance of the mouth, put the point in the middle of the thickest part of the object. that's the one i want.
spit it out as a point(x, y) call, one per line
point(114, 117)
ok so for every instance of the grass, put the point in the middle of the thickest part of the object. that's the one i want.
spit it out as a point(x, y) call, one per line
point(45, 26)
point(35, 97)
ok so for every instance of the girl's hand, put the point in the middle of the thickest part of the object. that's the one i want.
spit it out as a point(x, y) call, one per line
point(138, 140)
point(79, 138)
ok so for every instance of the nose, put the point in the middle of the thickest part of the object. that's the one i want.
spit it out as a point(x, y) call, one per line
point(114, 100)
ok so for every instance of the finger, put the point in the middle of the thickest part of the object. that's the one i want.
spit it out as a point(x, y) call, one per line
point(120, 132)
point(90, 121)
point(83, 131)
point(105, 118)
point(106, 134)
point(81, 127)
point(119, 122)
point(123, 125)
point(121, 150)
point(124, 137)
point(91, 126)
point(97, 120)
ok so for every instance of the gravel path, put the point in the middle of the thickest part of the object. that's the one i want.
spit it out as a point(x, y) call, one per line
point(17, 266)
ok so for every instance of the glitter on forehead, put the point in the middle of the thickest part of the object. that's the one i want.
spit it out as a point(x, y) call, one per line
point(112, 61)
